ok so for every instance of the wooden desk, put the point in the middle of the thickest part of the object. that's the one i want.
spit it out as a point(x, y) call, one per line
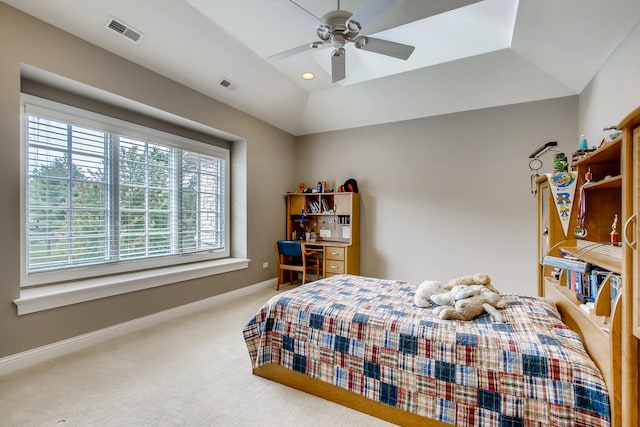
point(335, 216)
point(338, 257)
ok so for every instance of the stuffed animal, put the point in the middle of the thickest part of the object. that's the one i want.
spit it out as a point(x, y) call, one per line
point(473, 279)
point(457, 292)
point(426, 290)
point(486, 300)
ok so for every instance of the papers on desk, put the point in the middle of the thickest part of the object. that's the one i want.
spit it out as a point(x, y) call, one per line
point(346, 232)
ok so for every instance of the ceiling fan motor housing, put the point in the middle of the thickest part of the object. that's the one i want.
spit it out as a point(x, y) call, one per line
point(338, 29)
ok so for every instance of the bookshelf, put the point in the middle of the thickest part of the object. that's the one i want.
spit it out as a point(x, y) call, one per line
point(584, 298)
point(611, 328)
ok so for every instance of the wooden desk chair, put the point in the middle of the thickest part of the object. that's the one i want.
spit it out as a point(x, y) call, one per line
point(294, 257)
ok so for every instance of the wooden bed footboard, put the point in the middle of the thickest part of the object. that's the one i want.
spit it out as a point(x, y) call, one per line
point(280, 374)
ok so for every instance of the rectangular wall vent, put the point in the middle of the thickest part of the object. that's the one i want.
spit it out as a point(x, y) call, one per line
point(124, 29)
point(228, 84)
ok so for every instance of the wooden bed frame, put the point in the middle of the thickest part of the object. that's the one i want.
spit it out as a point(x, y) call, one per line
point(343, 397)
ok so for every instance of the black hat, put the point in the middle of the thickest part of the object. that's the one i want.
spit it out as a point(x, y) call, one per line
point(351, 185)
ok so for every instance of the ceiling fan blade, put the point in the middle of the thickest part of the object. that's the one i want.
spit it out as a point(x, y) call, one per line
point(338, 65)
point(371, 11)
point(384, 47)
point(317, 45)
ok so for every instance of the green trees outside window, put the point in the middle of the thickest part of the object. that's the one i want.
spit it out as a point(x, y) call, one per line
point(95, 197)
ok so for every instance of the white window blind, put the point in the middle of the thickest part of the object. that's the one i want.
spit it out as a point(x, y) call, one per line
point(114, 196)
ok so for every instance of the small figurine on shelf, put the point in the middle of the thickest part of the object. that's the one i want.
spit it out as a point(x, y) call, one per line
point(582, 143)
point(587, 176)
point(560, 163)
point(615, 237)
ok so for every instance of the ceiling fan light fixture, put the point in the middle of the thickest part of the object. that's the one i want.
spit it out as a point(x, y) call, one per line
point(353, 26)
point(360, 42)
point(323, 32)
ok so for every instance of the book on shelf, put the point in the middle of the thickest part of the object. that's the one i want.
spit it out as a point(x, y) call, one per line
point(615, 283)
point(566, 263)
point(596, 278)
point(325, 207)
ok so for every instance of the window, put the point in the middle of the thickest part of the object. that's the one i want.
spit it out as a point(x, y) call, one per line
point(104, 196)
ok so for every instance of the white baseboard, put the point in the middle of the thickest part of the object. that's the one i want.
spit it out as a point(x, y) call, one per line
point(51, 351)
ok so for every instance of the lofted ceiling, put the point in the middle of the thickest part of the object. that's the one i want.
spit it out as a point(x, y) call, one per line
point(481, 54)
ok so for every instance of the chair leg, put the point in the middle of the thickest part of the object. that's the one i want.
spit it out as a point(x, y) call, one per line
point(280, 278)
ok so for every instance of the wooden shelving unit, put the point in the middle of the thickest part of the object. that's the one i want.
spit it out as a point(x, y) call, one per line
point(604, 199)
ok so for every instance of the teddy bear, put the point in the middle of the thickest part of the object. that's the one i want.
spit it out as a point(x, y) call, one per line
point(482, 299)
point(455, 293)
point(473, 279)
point(426, 290)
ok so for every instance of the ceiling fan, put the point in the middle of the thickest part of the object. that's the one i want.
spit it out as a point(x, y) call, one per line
point(338, 27)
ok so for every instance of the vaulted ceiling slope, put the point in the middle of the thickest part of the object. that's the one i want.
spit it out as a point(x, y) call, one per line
point(484, 54)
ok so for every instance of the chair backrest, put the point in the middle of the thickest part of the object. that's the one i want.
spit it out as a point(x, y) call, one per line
point(289, 248)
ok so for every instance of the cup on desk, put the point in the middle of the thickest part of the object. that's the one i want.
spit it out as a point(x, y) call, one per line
point(307, 236)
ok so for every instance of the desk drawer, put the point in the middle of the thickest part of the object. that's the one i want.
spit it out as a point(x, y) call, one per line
point(334, 267)
point(332, 252)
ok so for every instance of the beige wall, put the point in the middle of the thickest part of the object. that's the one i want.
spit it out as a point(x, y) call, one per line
point(614, 92)
point(446, 196)
point(270, 152)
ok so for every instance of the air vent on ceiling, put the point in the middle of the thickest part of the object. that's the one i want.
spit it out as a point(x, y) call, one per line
point(228, 84)
point(122, 28)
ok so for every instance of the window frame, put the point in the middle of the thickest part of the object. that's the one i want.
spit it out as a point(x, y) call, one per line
point(89, 273)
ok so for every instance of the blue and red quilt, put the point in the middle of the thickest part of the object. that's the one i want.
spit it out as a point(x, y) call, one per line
point(367, 336)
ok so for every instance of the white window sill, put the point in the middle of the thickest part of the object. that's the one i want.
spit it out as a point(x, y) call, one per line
point(58, 295)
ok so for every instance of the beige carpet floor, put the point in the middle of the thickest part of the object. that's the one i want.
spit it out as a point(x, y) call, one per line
point(192, 371)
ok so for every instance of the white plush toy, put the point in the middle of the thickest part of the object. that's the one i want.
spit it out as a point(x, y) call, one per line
point(473, 306)
point(426, 290)
point(456, 293)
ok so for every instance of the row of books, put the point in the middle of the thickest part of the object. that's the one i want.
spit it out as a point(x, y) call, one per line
point(584, 279)
point(587, 284)
point(318, 206)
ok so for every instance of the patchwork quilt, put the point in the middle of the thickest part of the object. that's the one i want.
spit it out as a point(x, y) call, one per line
point(367, 336)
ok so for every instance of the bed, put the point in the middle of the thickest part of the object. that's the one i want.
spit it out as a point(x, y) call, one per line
point(363, 343)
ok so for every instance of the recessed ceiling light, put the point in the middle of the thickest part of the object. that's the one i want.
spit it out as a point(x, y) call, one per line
point(308, 76)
